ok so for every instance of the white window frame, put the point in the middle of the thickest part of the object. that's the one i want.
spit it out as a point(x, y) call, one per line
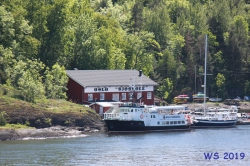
point(123, 96)
point(149, 95)
point(102, 96)
point(90, 97)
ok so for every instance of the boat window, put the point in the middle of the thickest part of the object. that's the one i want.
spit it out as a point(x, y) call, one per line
point(175, 122)
point(131, 110)
point(171, 122)
point(158, 123)
point(167, 122)
point(163, 123)
point(135, 110)
point(183, 122)
point(179, 122)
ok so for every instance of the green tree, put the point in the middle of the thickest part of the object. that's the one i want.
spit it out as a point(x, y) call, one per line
point(6, 41)
point(137, 17)
point(23, 44)
point(165, 89)
point(140, 51)
point(55, 82)
point(26, 78)
point(7, 30)
point(158, 22)
point(247, 88)
point(220, 82)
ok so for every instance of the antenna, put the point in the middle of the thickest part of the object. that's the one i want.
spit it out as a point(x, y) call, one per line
point(132, 87)
point(140, 75)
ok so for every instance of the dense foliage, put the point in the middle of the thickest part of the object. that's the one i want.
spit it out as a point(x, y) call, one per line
point(164, 38)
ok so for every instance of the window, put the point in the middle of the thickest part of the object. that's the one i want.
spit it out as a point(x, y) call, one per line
point(130, 95)
point(138, 95)
point(123, 96)
point(149, 95)
point(115, 96)
point(90, 97)
point(102, 96)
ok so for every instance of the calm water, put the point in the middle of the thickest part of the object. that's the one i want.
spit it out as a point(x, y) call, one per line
point(162, 148)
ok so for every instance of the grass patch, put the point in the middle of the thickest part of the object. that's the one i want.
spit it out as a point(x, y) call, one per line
point(16, 126)
point(49, 105)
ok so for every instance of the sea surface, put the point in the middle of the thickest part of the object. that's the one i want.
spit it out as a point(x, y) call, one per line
point(228, 146)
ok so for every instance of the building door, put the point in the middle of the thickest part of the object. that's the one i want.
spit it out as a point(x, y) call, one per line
point(101, 110)
point(115, 96)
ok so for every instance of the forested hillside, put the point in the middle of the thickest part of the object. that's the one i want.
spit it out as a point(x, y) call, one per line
point(165, 39)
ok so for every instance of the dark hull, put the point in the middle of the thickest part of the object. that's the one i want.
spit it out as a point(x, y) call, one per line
point(139, 126)
point(215, 123)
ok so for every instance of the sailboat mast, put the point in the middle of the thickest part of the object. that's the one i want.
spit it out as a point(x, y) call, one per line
point(205, 74)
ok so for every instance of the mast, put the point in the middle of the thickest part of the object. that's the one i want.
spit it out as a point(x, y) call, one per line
point(205, 74)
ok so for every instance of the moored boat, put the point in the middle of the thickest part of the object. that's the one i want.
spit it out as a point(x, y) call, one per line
point(133, 117)
point(181, 99)
point(217, 117)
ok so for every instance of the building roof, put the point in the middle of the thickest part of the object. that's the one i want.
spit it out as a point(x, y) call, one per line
point(108, 77)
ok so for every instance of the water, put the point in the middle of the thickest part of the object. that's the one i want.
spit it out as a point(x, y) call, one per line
point(143, 149)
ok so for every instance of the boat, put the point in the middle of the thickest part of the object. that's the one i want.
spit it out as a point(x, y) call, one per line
point(214, 117)
point(199, 97)
point(138, 117)
point(243, 119)
point(181, 99)
point(132, 117)
point(215, 99)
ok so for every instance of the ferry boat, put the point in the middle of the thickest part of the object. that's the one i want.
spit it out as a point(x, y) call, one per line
point(132, 117)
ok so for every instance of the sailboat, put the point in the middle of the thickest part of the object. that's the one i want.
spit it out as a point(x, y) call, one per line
point(214, 117)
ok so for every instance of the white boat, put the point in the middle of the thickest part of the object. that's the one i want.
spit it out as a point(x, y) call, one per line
point(132, 117)
point(135, 117)
point(218, 117)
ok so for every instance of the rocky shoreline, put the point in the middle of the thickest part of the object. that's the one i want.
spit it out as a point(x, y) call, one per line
point(50, 132)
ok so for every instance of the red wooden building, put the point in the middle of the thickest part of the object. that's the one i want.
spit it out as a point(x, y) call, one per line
point(92, 86)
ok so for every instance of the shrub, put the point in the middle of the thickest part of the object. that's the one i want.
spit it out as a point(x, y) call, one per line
point(2, 119)
point(47, 121)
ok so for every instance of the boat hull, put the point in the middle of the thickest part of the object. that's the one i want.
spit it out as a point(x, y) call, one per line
point(214, 123)
point(139, 126)
point(243, 122)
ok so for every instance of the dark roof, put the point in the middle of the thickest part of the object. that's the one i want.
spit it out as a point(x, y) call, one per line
point(108, 77)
